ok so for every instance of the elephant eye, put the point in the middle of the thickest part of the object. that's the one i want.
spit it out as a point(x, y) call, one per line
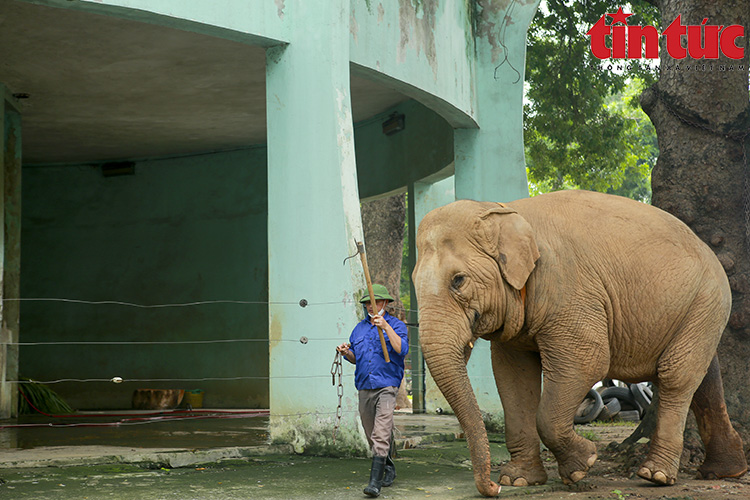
point(457, 281)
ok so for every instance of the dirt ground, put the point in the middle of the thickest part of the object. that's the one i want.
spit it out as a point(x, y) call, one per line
point(613, 476)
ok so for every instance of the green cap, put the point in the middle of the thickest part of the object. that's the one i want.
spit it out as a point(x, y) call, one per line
point(379, 291)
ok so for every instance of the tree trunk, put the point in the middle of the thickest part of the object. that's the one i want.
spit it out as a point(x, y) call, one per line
point(383, 222)
point(700, 111)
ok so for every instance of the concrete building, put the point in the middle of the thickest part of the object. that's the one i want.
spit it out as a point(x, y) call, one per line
point(217, 153)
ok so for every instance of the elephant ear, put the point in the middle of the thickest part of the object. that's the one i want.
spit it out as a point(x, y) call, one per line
point(510, 240)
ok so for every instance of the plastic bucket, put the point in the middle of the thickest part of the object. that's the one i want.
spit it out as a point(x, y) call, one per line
point(194, 398)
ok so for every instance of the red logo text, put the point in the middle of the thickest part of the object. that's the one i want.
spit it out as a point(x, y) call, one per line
point(627, 42)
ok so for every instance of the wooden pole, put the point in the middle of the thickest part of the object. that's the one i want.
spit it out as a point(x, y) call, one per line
point(361, 250)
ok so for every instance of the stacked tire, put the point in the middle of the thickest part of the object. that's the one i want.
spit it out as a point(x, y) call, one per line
point(615, 403)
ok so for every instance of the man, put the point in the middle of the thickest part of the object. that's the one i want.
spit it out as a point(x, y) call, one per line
point(377, 381)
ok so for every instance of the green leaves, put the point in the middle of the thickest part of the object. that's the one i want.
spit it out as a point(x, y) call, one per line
point(583, 125)
point(42, 398)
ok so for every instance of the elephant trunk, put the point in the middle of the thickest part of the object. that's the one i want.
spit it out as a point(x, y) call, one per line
point(444, 353)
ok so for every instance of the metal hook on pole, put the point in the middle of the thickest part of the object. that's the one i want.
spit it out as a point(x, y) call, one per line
point(352, 256)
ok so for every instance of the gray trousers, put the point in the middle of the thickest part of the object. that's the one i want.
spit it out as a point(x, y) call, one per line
point(376, 408)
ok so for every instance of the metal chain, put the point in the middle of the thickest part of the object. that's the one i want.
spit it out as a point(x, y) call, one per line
point(739, 136)
point(337, 369)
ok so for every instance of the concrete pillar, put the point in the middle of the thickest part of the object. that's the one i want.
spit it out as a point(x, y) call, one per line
point(423, 197)
point(10, 250)
point(313, 219)
point(427, 196)
point(490, 164)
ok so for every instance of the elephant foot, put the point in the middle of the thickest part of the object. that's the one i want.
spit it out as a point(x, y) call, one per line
point(657, 475)
point(721, 470)
point(579, 457)
point(522, 474)
point(725, 457)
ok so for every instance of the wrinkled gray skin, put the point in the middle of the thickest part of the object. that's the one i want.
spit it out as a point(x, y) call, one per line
point(613, 288)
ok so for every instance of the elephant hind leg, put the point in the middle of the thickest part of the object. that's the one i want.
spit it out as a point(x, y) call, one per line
point(724, 454)
point(663, 460)
point(681, 370)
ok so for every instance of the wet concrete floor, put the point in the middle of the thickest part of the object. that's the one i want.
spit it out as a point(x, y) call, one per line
point(270, 477)
point(93, 465)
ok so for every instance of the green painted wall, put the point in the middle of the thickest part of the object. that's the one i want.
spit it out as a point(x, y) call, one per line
point(179, 230)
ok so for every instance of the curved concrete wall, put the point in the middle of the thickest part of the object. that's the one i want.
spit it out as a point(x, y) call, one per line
point(423, 49)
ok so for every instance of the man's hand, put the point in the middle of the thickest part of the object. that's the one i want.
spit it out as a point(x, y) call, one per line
point(346, 352)
point(381, 323)
point(378, 321)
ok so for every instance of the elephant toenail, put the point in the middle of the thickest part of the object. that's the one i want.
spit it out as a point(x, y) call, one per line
point(505, 481)
point(592, 459)
point(660, 477)
point(644, 473)
point(520, 482)
point(577, 476)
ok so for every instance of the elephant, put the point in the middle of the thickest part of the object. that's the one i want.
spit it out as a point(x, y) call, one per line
point(574, 287)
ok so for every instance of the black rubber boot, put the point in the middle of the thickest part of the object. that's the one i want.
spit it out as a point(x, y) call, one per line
point(390, 471)
point(376, 477)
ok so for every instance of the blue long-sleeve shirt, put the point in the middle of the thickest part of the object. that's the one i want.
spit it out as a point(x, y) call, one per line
point(372, 372)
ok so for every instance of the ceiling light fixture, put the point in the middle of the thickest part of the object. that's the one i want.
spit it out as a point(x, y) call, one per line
point(394, 124)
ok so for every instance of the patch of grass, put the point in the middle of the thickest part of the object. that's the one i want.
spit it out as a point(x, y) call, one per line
point(590, 435)
point(615, 423)
point(494, 422)
point(619, 495)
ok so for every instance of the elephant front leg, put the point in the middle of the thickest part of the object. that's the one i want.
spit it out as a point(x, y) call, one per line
point(567, 380)
point(518, 379)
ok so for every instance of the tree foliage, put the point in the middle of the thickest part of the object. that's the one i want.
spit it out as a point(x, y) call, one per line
point(583, 125)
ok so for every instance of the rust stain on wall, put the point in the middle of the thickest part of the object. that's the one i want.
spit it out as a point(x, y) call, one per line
point(275, 332)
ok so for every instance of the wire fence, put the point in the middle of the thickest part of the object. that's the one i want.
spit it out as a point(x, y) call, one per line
point(191, 414)
point(301, 303)
point(117, 379)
